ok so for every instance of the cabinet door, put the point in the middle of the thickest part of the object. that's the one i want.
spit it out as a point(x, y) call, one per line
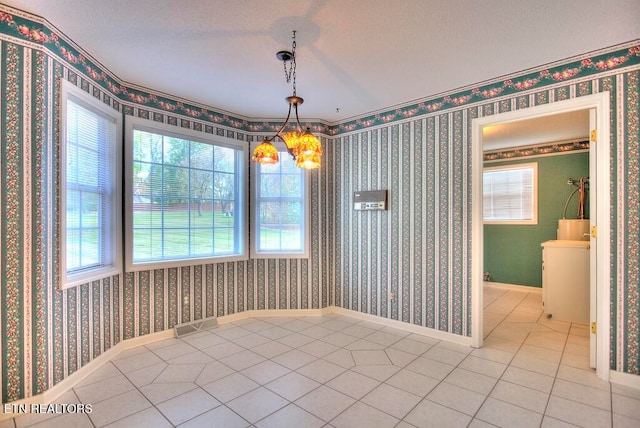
point(565, 283)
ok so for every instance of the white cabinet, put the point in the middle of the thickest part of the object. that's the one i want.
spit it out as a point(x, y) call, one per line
point(565, 280)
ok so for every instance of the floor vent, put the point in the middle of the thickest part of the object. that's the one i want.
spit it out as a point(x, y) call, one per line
point(187, 328)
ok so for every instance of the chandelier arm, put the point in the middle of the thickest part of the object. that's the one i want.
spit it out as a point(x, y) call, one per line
point(300, 127)
point(283, 125)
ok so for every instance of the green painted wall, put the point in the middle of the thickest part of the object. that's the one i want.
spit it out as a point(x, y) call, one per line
point(512, 254)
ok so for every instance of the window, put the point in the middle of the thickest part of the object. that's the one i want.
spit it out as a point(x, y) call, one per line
point(185, 197)
point(511, 194)
point(280, 209)
point(90, 177)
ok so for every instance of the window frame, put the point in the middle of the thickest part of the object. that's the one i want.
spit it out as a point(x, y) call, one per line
point(70, 92)
point(134, 123)
point(518, 166)
point(255, 210)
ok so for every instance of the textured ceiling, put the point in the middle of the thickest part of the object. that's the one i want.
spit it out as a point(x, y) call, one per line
point(354, 56)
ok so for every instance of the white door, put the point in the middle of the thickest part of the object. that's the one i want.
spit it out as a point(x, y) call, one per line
point(599, 207)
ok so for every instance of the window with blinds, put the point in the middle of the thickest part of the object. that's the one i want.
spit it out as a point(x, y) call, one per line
point(185, 197)
point(91, 201)
point(510, 194)
point(280, 209)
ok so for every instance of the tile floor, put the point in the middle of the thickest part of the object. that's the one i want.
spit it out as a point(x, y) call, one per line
point(337, 371)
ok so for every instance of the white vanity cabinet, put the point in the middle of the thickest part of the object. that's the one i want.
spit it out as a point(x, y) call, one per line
point(565, 280)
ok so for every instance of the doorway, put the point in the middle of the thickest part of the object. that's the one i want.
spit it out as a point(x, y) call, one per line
point(600, 182)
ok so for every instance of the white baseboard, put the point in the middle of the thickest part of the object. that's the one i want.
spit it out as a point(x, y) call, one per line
point(56, 391)
point(626, 379)
point(513, 287)
point(271, 313)
point(59, 389)
point(411, 328)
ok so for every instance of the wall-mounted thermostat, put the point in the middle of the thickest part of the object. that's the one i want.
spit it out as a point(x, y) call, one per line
point(370, 200)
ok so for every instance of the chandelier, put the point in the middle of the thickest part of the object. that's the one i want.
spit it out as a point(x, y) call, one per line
point(302, 145)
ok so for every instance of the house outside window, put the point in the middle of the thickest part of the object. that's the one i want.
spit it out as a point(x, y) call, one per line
point(280, 209)
point(185, 197)
point(90, 192)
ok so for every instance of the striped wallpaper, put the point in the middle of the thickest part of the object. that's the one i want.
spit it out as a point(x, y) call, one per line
point(416, 251)
point(48, 333)
point(419, 250)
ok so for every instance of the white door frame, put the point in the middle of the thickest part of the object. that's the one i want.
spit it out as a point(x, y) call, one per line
point(600, 155)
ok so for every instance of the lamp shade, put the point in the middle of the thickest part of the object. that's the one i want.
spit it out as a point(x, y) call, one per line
point(265, 153)
point(309, 144)
point(291, 140)
point(308, 151)
point(308, 161)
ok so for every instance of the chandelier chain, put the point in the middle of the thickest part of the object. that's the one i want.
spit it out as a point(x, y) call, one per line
point(291, 73)
point(293, 62)
point(304, 147)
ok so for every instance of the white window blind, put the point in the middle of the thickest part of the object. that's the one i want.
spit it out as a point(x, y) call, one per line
point(186, 198)
point(510, 194)
point(280, 209)
point(91, 199)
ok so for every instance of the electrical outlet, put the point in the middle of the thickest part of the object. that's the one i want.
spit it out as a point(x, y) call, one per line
point(392, 295)
point(185, 300)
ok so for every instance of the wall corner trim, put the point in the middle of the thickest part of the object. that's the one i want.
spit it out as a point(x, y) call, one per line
point(624, 379)
point(513, 287)
point(400, 325)
point(55, 392)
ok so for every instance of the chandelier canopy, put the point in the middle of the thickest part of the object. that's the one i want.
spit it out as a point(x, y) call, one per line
point(304, 147)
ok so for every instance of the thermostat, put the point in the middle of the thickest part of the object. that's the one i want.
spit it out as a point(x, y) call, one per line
point(370, 200)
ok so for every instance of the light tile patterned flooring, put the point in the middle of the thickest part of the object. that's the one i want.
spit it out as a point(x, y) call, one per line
point(342, 372)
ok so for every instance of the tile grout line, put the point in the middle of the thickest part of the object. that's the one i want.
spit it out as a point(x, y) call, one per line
point(223, 404)
point(290, 371)
point(497, 381)
point(154, 405)
point(320, 384)
point(359, 337)
point(568, 334)
point(141, 393)
point(506, 315)
point(346, 369)
point(553, 383)
point(509, 365)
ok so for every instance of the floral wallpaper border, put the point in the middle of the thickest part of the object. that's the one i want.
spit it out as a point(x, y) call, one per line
point(536, 150)
point(44, 34)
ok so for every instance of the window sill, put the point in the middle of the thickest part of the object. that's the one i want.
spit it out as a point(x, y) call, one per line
point(176, 263)
point(87, 277)
point(279, 255)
